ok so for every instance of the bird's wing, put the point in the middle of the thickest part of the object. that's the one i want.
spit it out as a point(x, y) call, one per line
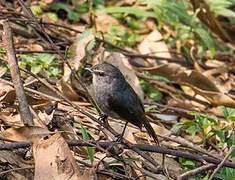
point(127, 105)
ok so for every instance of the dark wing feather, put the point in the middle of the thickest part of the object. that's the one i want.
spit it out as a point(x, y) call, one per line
point(130, 108)
point(127, 105)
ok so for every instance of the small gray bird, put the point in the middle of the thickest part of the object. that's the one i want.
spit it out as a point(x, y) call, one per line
point(117, 99)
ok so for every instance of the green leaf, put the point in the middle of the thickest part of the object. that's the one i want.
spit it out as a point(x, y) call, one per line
point(185, 124)
point(130, 10)
point(226, 173)
point(177, 11)
point(206, 177)
point(156, 77)
point(118, 16)
point(27, 58)
point(58, 5)
point(189, 123)
point(229, 113)
point(226, 13)
point(187, 164)
point(177, 126)
point(205, 37)
point(89, 149)
point(82, 8)
point(91, 45)
point(2, 50)
point(193, 130)
point(83, 35)
point(150, 108)
point(36, 10)
point(54, 71)
point(219, 133)
point(154, 94)
point(231, 118)
point(231, 140)
point(46, 58)
point(70, 53)
point(42, 4)
point(52, 16)
point(200, 118)
point(73, 16)
point(36, 68)
point(151, 91)
point(134, 24)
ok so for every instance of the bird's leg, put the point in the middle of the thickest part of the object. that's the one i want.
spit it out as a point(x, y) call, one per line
point(103, 118)
point(120, 136)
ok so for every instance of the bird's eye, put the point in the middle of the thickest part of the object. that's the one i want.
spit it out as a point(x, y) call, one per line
point(101, 73)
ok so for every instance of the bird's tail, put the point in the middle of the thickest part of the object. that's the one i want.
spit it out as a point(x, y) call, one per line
point(150, 130)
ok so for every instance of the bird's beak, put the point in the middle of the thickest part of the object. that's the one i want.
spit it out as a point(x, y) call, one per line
point(89, 69)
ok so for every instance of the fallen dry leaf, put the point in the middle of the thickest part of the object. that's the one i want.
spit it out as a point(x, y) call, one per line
point(25, 133)
point(103, 22)
point(198, 82)
point(3, 70)
point(153, 45)
point(53, 160)
point(7, 93)
point(14, 160)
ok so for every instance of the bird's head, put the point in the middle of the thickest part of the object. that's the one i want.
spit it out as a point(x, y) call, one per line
point(105, 72)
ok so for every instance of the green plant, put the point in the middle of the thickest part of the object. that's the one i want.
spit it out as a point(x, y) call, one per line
point(207, 126)
point(149, 89)
point(151, 109)
point(71, 12)
point(38, 11)
point(222, 8)
point(229, 113)
point(122, 37)
point(225, 173)
point(187, 164)
point(40, 62)
point(89, 149)
point(178, 14)
point(2, 54)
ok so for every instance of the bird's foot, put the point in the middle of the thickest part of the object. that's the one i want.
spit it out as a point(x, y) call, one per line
point(119, 137)
point(103, 117)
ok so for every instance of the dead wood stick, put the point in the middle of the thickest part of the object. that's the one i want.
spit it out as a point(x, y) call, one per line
point(25, 114)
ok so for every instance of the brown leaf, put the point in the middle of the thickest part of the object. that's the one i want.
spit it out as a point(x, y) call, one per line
point(14, 160)
point(103, 22)
point(53, 159)
point(3, 70)
point(7, 93)
point(198, 82)
point(10, 119)
point(153, 45)
point(67, 90)
point(25, 133)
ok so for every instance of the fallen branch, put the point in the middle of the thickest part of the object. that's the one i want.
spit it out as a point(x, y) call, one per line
point(141, 147)
point(25, 114)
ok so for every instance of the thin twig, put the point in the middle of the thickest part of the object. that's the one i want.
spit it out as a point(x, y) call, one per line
point(15, 169)
point(222, 162)
point(193, 172)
